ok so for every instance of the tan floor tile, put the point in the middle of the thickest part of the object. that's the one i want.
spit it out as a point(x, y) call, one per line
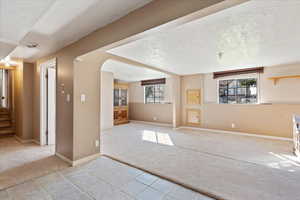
point(146, 179)
point(150, 194)
point(134, 188)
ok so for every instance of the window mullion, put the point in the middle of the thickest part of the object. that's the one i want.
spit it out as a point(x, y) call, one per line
point(154, 90)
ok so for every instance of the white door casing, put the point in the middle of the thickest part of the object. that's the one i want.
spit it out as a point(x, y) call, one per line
point(43, 101)
point(51, 105)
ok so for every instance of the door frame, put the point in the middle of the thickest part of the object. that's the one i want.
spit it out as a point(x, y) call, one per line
point(5, 89)
point(43, 98)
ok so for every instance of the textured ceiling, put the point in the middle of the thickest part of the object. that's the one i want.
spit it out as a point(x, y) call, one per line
point(256, 33)
point(130, 73)
point(5, 49)
point(16, 19)
point(54, 24)
point(18, 16)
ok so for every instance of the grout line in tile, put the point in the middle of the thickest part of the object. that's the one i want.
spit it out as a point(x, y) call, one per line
point(75, 186)
point(205, 193)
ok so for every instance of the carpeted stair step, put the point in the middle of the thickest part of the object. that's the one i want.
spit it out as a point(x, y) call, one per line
point(5, 124)
point(4, 119)
point(7, 131)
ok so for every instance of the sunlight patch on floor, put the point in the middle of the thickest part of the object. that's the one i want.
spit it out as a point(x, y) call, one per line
point(286, 161)
point(157, 137)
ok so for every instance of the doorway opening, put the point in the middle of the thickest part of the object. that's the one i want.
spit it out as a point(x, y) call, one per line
point(6, 118)
point(123, 86)
point(4, 88)
point(48, 103)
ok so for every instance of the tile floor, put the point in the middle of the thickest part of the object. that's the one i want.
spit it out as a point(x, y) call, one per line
point(230, 166)
point(21, 162)
point(101, 179)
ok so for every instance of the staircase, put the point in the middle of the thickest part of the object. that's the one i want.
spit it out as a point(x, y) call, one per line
point(6, 127)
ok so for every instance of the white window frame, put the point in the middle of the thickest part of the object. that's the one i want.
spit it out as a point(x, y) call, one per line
point(236, 77)
point(154, 86)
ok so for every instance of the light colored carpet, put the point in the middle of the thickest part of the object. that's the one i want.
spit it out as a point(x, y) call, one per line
point(231, 166)
point(22, 162)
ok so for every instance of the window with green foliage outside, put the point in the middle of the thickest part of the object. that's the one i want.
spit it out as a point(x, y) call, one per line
point(154, 94)
point(238, 91)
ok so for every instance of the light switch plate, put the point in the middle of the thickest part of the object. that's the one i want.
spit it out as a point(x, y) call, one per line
point(82, 98)
point(68, 97)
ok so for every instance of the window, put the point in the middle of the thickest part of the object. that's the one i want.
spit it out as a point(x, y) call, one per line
point(116, 97)
point(154, 93)
point(120, 97)
point(238, 91)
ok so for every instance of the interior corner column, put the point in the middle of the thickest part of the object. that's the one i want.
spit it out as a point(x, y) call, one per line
point(86, 126)
point(176, 100)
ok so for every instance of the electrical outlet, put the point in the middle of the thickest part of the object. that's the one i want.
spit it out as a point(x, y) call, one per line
point(154, 118)
point(232, 125)
point(97, 143)
point(82, 98)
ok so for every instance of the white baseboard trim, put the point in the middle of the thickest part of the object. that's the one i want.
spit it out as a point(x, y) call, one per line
point(36, 142)
point(106, 129)
point(78, 162)
point(85, 159)
point(27, 140)
point(64, 158)
point(152, 123)
point(236, 133)
point(297, 153)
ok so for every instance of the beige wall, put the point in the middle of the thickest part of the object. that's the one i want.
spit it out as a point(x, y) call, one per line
point(18, 96)
point(190, 82)
point(36, 103)
point(138, 110)
point(23, 96)
point(176, 99)
point(107, 106)
point(161, 113)
point(28, 100)
point(136, 92)
point(87, 81)
point(282, 92)
point(285, 90)
point(78, 143)
point(274, 119)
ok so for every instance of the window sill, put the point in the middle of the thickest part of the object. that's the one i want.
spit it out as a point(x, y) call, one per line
point(159, 103)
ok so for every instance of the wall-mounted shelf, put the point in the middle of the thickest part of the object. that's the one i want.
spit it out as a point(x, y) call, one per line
point(7, 67)
point(275, 79)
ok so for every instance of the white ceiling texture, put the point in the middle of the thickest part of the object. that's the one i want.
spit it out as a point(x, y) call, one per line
point(256, 33)
point(16, 19)
point(53, 24)
point(131, 73)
